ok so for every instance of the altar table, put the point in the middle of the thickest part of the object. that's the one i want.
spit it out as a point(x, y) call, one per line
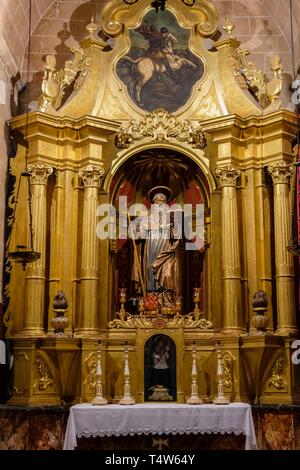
point(86, 420)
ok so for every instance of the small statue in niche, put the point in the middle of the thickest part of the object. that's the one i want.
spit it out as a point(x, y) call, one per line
point(160, 369)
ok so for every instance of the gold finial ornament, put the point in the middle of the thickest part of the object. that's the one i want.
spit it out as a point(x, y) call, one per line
point(92, 28)
point(228, 26)
point(260, 306)
point(60, 322)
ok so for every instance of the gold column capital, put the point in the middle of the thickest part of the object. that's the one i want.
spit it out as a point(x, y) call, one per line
point(280, 172)
point(39, 173)
point(227, 175)
point(91, 175)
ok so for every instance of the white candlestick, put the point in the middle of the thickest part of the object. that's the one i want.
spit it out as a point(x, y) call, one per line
point(194, 398)
point(221, 399)
point(99, 398)
point(127, 398)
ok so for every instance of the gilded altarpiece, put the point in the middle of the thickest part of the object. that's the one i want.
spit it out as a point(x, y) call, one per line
point(215, 138)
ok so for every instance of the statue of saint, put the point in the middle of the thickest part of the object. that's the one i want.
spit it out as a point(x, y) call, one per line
point(157, 259)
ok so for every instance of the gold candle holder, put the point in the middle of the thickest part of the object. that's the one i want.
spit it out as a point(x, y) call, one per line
point(178, 307)
point(141, 306)
point(122, 299)
point(196, 299)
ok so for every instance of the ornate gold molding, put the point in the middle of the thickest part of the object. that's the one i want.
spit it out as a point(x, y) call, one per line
point(266, 90)
point(228, 366)
point(178, 321)
point(161, 126)
point(116, 16)
point(227, 175)
point(56, 81)
point(91, 370)
point(91, 175)
point(280, 172)
point(44, 375)
point(277, 379)
point(39, 173)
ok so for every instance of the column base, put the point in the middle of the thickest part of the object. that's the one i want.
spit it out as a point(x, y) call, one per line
point(233, 331)
point(31, 333)
point(87, 333)
point(286, 331)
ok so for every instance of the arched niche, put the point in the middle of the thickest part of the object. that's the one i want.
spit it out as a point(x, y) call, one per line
point(160, 369)
point(133, 179)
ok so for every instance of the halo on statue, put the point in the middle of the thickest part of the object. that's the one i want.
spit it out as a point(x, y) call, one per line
point(160, 189)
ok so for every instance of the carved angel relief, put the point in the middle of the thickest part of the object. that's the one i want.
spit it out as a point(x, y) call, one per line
point(55, 81)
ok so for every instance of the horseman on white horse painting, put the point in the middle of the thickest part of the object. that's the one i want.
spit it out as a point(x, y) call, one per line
point(160, 70)
point(160, 57)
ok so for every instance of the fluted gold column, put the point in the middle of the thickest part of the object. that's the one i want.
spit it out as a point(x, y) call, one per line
point(285, 275)
point(89, 287)
point(231, 266)
point(35, 273)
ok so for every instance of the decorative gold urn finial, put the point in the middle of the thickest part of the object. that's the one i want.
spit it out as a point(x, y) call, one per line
point(60, 322)
point(92, 28)
point(228, 26)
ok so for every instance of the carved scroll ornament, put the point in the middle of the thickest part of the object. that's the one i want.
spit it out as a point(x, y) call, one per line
point(265, 90)
point(55, 81)
point(160, 126)
point(277, 378)
point(178, 321)
point(44, 375)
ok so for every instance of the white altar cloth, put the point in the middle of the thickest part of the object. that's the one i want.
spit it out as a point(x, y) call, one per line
point(86, 420)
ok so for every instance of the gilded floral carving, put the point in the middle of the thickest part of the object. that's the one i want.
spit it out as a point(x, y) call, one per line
point(178, 321)
point(160, 126)
point(277, 379)
point(91, 371)
point(44, 378)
